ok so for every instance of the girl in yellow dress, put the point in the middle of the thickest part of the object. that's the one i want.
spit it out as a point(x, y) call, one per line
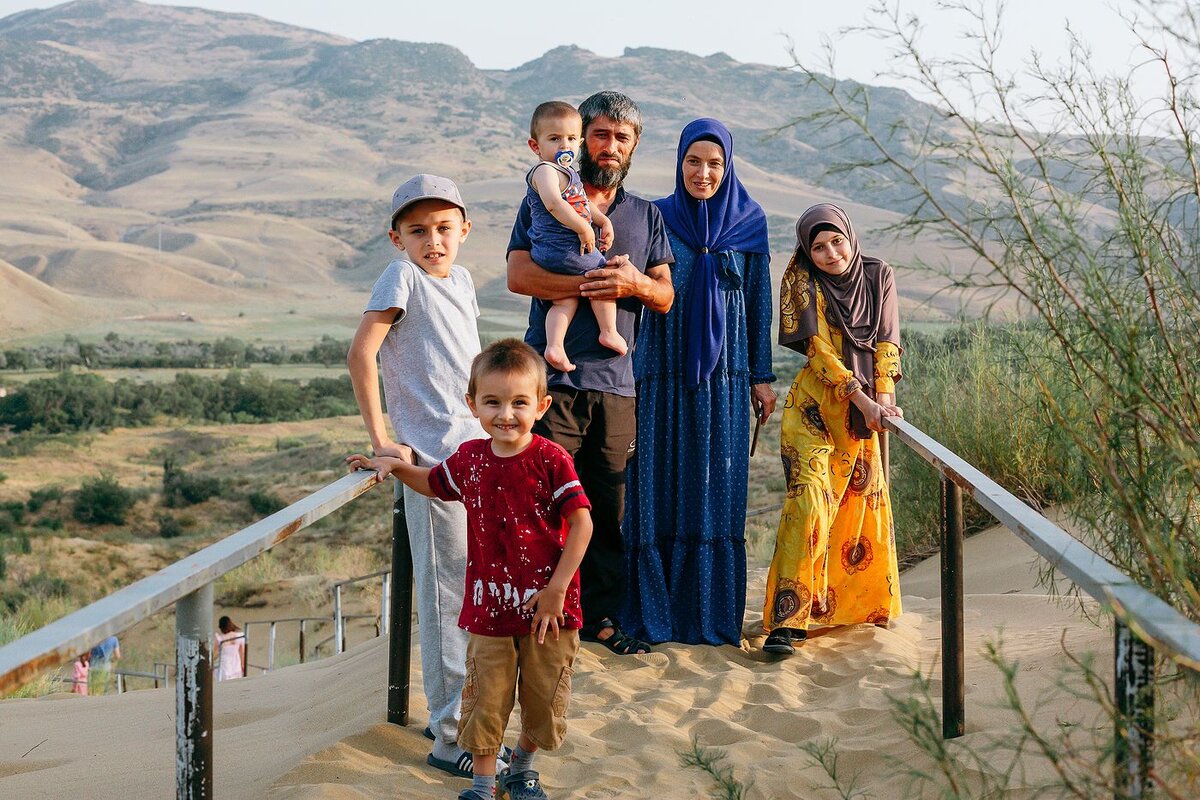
point(835, 553)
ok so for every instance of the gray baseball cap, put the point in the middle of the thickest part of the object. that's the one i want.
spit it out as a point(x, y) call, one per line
point(425, 187)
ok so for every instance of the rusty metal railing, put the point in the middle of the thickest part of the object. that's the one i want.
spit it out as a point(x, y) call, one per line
point(1143, 622)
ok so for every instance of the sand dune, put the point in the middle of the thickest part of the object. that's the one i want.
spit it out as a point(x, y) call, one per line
point(318, 731)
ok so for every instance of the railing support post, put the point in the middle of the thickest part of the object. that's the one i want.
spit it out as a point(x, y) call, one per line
point(399, 614)
point(271, 648)
point(953, 671)
point(194, 696)
point(302, 640)
point(1133, 679)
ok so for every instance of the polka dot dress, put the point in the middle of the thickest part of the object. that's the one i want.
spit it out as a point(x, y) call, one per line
point(686, 485)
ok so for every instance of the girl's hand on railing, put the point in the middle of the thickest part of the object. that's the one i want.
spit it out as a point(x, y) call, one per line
point(893, 411)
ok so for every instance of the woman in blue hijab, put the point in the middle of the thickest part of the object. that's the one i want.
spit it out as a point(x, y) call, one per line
point(700, 369)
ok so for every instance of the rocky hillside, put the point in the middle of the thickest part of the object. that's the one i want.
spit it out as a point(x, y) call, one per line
point(157, 156)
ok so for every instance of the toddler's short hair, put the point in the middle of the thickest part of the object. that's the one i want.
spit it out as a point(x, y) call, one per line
point(508, 356)
point(551, 109)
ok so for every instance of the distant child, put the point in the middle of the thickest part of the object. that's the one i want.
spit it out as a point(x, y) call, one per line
point(561, 229)
point(529, 528)
point(79, 678)
point(420, 323)
point(231, 650)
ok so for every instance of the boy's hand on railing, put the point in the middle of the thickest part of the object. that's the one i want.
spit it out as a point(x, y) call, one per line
point(379, 465)
point(547, 608)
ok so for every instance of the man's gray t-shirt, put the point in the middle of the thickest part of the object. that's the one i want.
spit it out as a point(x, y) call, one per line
point(425, 359)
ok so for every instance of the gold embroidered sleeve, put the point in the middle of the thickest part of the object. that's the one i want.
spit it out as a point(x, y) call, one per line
point(830, 369)
point(887, 367)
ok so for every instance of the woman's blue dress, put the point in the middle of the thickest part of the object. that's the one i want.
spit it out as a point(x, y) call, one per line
point(685, 514)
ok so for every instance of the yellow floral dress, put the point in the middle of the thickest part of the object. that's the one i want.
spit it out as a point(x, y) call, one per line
point(835, 552)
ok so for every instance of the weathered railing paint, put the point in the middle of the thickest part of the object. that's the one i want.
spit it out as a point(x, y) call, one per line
point(193, 695)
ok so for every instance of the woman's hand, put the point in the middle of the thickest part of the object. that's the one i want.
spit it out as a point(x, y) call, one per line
point(762, 400)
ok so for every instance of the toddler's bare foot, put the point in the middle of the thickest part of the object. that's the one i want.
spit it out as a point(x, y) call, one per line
point(613, 341)
point(556, 357)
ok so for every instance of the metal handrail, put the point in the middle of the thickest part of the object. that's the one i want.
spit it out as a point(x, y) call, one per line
point(62, 639)
point(188, 583)
point(1143, 622)
point(1151, 618)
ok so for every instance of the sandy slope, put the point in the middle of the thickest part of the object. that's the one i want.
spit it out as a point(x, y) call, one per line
point(317, 731)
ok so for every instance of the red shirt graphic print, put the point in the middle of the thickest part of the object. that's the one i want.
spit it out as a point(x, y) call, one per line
point(516, 528)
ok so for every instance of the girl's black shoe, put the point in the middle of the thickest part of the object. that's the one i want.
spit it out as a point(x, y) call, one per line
point(783, 641)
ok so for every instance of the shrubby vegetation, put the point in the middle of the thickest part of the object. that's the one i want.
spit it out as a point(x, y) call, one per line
point(113, 352)
point(102, 501)
point(83, 401)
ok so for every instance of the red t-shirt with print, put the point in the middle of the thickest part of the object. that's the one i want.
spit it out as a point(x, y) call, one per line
point(516, 528)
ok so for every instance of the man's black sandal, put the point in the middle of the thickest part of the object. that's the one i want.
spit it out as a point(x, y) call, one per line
point(618, 642)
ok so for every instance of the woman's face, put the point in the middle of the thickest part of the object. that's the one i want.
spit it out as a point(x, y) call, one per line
point(831, 252)
point(703, 169)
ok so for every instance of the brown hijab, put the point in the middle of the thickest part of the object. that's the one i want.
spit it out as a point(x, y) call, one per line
point(861, 302)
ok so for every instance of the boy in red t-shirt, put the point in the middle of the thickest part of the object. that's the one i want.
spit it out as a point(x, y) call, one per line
point(528, 527)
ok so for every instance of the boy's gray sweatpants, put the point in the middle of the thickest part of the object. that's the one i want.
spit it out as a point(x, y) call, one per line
point(437, 532)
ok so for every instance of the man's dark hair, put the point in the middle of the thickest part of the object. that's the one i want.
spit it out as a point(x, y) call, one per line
point(615, 106)
point(551, 109)
point(508, 356)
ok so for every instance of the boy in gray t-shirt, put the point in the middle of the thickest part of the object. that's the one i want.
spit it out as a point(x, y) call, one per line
point(420, 322)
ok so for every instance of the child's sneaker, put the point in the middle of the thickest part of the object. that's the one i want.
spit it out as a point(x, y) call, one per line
point(525, 785)
point(471, 794)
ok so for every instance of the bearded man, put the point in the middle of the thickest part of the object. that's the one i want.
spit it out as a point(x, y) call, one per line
point(592, 415)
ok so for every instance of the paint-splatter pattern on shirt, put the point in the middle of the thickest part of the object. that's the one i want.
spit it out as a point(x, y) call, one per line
point(516, 528)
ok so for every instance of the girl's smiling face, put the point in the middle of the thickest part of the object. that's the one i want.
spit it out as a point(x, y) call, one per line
point(831, 252)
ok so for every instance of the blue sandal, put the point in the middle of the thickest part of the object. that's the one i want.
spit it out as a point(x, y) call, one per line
point(525, 785)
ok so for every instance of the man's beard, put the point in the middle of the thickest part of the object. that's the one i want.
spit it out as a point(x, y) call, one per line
point(593, 175)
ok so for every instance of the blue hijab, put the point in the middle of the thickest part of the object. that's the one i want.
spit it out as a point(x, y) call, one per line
point(728, 221)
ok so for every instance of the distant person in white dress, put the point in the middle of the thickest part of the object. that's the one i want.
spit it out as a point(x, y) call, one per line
point(231, 650)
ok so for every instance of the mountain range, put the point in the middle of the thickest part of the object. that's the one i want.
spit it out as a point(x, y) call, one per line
point(167, 163)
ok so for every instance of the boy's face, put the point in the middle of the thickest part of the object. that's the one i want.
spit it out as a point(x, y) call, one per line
point(557, 133)
point(506, 405)
point(430, 232)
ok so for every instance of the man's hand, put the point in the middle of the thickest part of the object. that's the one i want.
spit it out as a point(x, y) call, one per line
point(618, 278)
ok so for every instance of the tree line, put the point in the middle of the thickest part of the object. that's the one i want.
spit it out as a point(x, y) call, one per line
point(73, 401)
point(114, 352)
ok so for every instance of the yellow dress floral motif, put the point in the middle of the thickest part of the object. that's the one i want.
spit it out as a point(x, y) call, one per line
point(835, 552)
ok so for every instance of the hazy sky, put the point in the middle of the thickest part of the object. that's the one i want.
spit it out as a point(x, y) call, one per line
point(503, 35)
